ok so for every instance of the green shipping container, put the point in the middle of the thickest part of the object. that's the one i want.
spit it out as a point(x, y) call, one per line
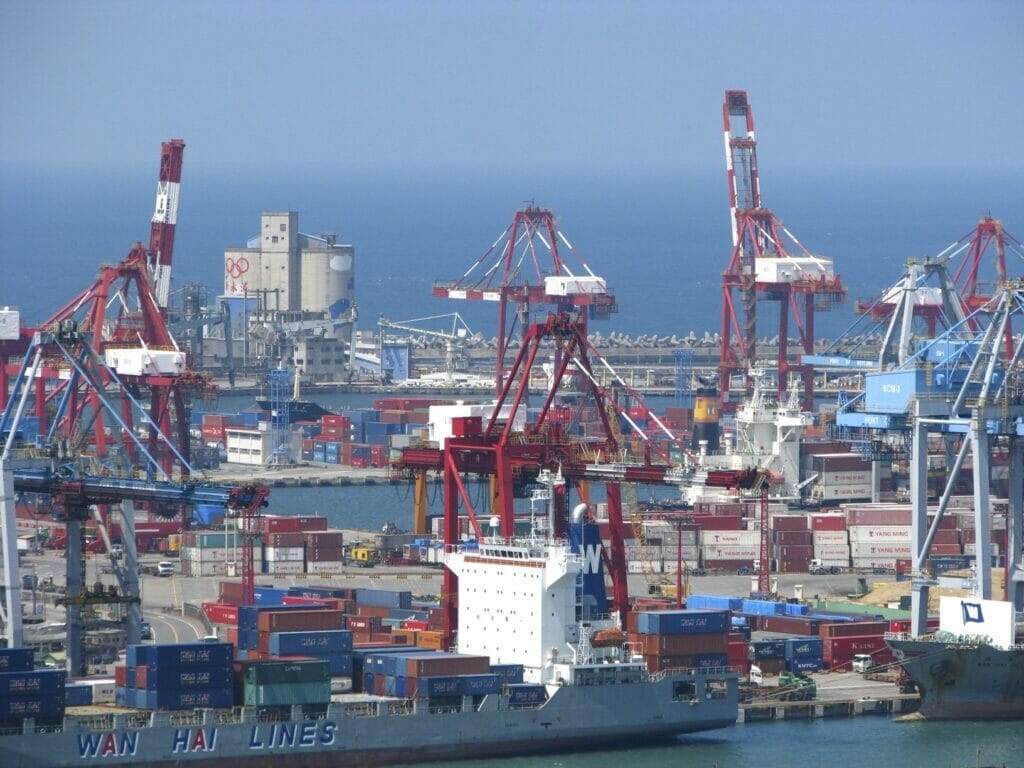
point(217, 540)
point(286, 694)
point(273, 672)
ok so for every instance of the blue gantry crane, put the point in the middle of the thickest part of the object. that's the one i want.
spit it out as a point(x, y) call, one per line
point(50, 466)
point(966, 386)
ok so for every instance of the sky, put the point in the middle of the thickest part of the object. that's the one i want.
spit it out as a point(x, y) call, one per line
point(556, 83)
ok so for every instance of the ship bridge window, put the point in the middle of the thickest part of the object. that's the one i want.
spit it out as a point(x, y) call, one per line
point(684, 691)
point(716, 689)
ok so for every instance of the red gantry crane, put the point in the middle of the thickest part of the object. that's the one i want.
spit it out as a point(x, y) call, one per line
point(515, 458)
point(525, 267)
point(768, 263)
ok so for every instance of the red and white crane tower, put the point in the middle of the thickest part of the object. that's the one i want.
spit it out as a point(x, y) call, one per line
point(165, 217)
point(768, 263)
point(525, 267)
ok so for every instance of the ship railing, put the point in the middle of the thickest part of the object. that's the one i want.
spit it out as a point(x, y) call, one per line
point(703, 671)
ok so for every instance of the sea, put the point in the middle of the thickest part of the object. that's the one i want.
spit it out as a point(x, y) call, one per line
point(660, 236)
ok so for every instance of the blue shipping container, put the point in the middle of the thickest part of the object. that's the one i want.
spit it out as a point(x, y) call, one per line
point(480, 685)
point(804, 648)
point(804, 665)
point(78, 694)
point(528, 693)
point(768, 649)
point(508, 673)
point(681, 622)
point(441, 685)
point(298, 643)
point(214, 698)
point(714, 602)
point(384, 598)
point(34, 706)
point(136, 655)
point(190, 655)
point(16, 659)
point(186, 678)
point(35, 684)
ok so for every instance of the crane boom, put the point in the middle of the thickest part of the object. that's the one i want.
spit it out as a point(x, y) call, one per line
point(165, 217)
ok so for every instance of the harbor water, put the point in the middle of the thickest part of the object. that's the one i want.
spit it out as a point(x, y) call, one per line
point(842, 743)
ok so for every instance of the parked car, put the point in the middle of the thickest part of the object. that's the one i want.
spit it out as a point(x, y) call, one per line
point(145, 631)
point(165, 568)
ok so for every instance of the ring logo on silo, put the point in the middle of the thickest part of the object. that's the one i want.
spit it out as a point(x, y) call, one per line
point(236, 267)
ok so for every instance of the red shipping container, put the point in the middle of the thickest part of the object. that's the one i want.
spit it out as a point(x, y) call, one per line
point(680, 645)
point(120, 675)
point(899, 625)
point(322, 602)
point(324, 555)
point(221, 613)
point(793, 566)
point(297, 621)
point(828, 522)
point(834, 647)
point(363, 623)
point(141, 677)
point(279, 524)
point(291, 539)
point(796, 552)
point(789, 523)
point(946, 549)
point(790, 625)
point(380, 611)
point(325, 538)
point(793, 538)
point(312, 523)
point(415, 624)
point(719, 523)
point(854, 629)
point(230, 592)
point(947, 537)
point(429, 665)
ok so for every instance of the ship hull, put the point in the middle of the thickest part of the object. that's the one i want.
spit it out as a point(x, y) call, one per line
point(964, 682)
point(575, 717)
point(298, 410)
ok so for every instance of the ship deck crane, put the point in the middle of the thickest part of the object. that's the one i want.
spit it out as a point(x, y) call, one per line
point(768, 263)
point(454, 340)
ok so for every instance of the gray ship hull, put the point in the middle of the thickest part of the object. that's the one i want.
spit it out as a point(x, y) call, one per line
point(964, 682)
point(574, 717)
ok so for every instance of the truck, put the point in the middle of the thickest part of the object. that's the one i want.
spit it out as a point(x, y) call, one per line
point(794, 686)
point(818, 568)
point(862, 662)
point(363, 557)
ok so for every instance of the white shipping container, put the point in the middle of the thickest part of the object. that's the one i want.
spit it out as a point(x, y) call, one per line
point(879, 533)
point(826, 551)
point(730, 538)
point(284, 553)
point(729, 553)
point(972, 549)
point(285, 566)
point(841, 492)
point(868, 549)
point(875, 562)
point(324, 566)
point(102, 691)
point(830, 537)
point(845, 477)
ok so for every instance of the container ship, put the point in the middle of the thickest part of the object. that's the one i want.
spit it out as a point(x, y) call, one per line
point(972, 668)
point(539, 669)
